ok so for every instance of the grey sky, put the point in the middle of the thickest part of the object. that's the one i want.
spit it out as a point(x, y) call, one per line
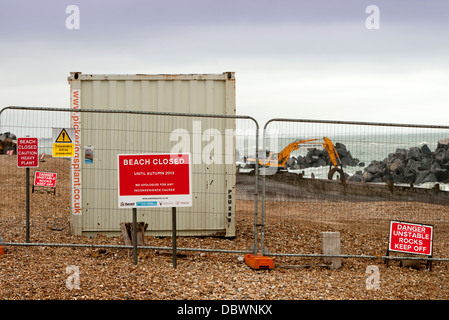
point(298, 59)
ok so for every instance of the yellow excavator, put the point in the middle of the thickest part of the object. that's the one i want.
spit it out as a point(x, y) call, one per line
point(279, 160)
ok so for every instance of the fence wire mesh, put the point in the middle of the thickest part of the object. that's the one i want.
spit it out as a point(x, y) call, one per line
point(217, 218)
point(389, 172)
point(385, 172)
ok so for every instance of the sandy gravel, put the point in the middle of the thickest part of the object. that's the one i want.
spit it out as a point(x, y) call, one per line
point(35, 273)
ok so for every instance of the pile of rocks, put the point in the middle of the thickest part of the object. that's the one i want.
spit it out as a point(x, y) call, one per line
point(7, 142)
point(319, 158)
point(416, 165)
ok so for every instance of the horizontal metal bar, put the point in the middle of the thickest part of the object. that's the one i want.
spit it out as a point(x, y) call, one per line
point(109, 246)
point(307, 255)
point(355, 256)
point(357, 123)
point(123, 111)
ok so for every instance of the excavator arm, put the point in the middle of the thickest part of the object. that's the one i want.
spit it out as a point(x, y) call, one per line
point(284, 155)
point(293, 146)
point(334, 158)
point(328, 146)
point(332, 152)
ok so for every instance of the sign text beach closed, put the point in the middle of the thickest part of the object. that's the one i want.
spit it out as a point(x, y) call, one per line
point(154, 180)
point(411, 238)
point(27, 153)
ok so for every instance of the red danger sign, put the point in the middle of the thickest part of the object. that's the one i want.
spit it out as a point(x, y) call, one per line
point(27, 153)
point(154, 180)
point(411, 238)
point(45, 179)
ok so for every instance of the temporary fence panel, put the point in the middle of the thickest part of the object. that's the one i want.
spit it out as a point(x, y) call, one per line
point(385, 172)
point(218, 153)
point(13, 179)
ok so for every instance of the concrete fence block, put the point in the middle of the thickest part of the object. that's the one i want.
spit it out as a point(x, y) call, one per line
point(331, 245)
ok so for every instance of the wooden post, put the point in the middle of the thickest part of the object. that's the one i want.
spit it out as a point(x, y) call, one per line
point(134, 234)
point(127, 233)
point(332, 246)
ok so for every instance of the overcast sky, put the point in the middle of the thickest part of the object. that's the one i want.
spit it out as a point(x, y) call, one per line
point(297, 59)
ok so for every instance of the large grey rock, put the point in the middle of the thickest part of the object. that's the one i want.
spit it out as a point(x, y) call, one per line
point(425, 150)
point(341, 150)
point(441, 174)
point(414, 153)
point(425, 176)
point(443, 144)
point(356, 177)
point(442, 155)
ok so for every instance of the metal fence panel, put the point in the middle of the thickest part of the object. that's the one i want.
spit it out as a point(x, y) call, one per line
point(214, 141)
point(391, 172)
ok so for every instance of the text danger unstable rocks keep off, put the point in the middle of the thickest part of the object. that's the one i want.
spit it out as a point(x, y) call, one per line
point(411, 238)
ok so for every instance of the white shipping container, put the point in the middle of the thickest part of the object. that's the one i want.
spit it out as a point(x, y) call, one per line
point(100, 137)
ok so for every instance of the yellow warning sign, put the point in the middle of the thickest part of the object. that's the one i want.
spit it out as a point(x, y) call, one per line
point(62, 142)
point(64, 150)
point(63, 137)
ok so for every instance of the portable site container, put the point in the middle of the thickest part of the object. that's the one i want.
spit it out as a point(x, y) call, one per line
point(100, 137)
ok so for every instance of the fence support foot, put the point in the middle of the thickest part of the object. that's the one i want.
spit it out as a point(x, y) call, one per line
point(259, 262)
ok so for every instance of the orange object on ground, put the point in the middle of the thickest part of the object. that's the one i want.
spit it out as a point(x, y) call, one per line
point(259, 262)
point(1, 250)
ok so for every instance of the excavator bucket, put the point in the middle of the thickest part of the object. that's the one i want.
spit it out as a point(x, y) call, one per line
point(332, 172)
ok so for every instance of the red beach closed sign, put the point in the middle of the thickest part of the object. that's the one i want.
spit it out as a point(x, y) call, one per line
point(411, 238)
point(154, 180)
